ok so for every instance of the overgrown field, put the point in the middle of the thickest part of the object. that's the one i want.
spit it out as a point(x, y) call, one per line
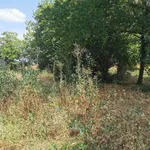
point(38, 113)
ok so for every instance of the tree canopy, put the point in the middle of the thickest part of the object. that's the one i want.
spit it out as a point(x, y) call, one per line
point(10, 46)
point(111, 33)
point(108, 30)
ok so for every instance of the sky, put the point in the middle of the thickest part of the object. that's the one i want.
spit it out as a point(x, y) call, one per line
point(14, 14)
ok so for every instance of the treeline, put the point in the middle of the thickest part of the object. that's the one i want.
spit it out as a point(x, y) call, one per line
point(108, 32)
point(101, 33)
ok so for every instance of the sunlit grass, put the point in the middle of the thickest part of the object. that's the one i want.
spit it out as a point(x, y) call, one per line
point(67, 117)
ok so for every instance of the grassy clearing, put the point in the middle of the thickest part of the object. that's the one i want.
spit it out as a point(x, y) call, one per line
point(42, 114)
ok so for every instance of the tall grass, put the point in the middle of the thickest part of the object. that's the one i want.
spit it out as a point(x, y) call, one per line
point(39, 113)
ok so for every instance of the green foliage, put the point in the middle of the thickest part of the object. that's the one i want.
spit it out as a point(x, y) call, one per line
point(97, 26)
point(10, 47)
point(29, 77)
point(77, 39)
point(30, 50)
point(3, 64)
point(8, 83)
point(138, 24)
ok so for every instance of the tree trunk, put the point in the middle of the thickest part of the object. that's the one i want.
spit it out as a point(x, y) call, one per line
point(142, 63)
point(121, 70)
point(105, 74)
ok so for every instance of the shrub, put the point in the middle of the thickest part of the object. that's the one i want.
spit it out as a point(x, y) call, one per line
point(8, 83)
point(29, 77)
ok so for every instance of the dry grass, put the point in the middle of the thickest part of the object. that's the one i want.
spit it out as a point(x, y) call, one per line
point(123, 120)
point(34, 67)
point(31, 122)
point(114, 118)
point(45, 77)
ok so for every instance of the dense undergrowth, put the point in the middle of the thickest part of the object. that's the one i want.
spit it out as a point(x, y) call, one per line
point(38, 113)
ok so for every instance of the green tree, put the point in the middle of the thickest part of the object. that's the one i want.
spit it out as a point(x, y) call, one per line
point(95, 25)
point(10, 47)
point(30, 49)
point(137, 23)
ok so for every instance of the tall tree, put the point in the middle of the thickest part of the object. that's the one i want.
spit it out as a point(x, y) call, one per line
point(138, 24)
point(30, 49)
point(93, 24)
point(10, 46)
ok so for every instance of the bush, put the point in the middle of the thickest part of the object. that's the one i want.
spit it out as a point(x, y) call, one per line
point(29, 77)
point(8, 83)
